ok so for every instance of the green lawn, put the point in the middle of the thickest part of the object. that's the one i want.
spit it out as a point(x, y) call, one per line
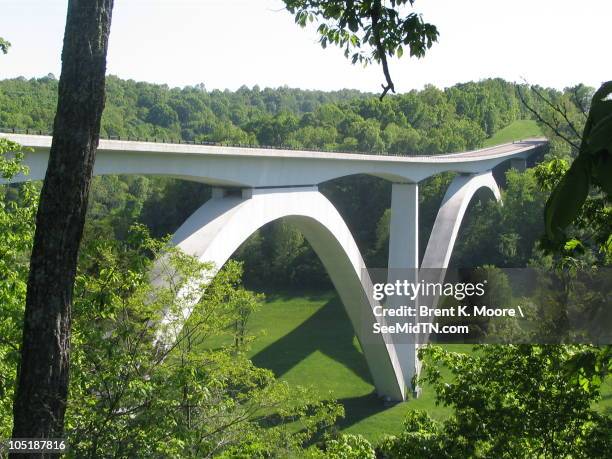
point(308, 340)
point(520, 129)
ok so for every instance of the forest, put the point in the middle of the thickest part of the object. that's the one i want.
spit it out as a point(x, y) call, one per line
point(206, 396)
point(430, 121)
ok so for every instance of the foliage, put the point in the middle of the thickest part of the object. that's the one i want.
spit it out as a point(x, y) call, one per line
point(17, 212)
point(374, 25)
point(582, 212)
point(421, 438)
point(590, 366)
point(507, 401)
point(592, 166)
point(349, 447)
point(245, 303)
point(426, 121)
point(180, 398)
point(505, 235)
point(590, 231)
point(4, 45)
point(578, 216)
point(498, 293)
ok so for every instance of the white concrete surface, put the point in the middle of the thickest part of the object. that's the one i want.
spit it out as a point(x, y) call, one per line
point(404, 260)
point(403, 230)
point(220, 226)
point(257, 167)
point(448, 221)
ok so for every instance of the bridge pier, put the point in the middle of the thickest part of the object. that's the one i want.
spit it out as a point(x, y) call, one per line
point(404, 228)
point(404, 262)
point(404, 250)
point(520, 164)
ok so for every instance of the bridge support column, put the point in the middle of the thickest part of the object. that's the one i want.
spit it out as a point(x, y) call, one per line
point(520, 164)
point(244, 193)
point(404, 228)
point(404, 262)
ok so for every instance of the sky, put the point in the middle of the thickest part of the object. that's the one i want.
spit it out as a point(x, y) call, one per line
point(230, 43)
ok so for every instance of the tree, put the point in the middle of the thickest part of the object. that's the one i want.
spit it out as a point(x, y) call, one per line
point(17, 213)
point(349, 447)
point(368, 30)
point(578, 213)
point(199, 397)
point(40, 400)
point(162, 115)
point(4, 45)
point(586, 127)
point(506, 401)
point(245, 303)
point(592, 166)
point(128, 398)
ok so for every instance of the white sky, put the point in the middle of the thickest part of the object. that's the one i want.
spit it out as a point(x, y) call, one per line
point(228, 43)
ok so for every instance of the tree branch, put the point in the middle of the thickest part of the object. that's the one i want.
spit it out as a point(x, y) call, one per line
point(582, 108)
point(543, 121)
point(380, 50)
point(557, 109)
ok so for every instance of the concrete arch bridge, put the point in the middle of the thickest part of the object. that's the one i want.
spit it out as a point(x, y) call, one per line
point(254, 186)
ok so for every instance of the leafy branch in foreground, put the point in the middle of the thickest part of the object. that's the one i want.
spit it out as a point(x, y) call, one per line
point(592, 166)
point(17, 211)
point(200, 397)
point(506, 401)
point(368, 30)
point(4, 45)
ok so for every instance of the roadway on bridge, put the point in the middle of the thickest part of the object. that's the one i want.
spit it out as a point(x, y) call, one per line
point(43, 142)
point(246, 167)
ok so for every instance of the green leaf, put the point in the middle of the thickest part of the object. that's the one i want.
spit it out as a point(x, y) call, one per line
point(567, 198)
point(602, 171)
point(600, 136)
point(600, 109)
point(572, 245)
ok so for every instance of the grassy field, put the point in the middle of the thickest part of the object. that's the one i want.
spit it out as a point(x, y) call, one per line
point(308, 340)
point(520, 129)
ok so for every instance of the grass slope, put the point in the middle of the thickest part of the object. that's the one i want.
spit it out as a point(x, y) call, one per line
point(308, 340)
point(519, 129)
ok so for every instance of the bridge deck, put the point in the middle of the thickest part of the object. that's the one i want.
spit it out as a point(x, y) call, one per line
point(44, 142)
point(260, 167)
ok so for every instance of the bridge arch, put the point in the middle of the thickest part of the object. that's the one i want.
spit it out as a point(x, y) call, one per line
point(216, 230)
point(450, 215)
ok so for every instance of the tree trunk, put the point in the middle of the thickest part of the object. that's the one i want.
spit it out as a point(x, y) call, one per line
point(40, 400)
